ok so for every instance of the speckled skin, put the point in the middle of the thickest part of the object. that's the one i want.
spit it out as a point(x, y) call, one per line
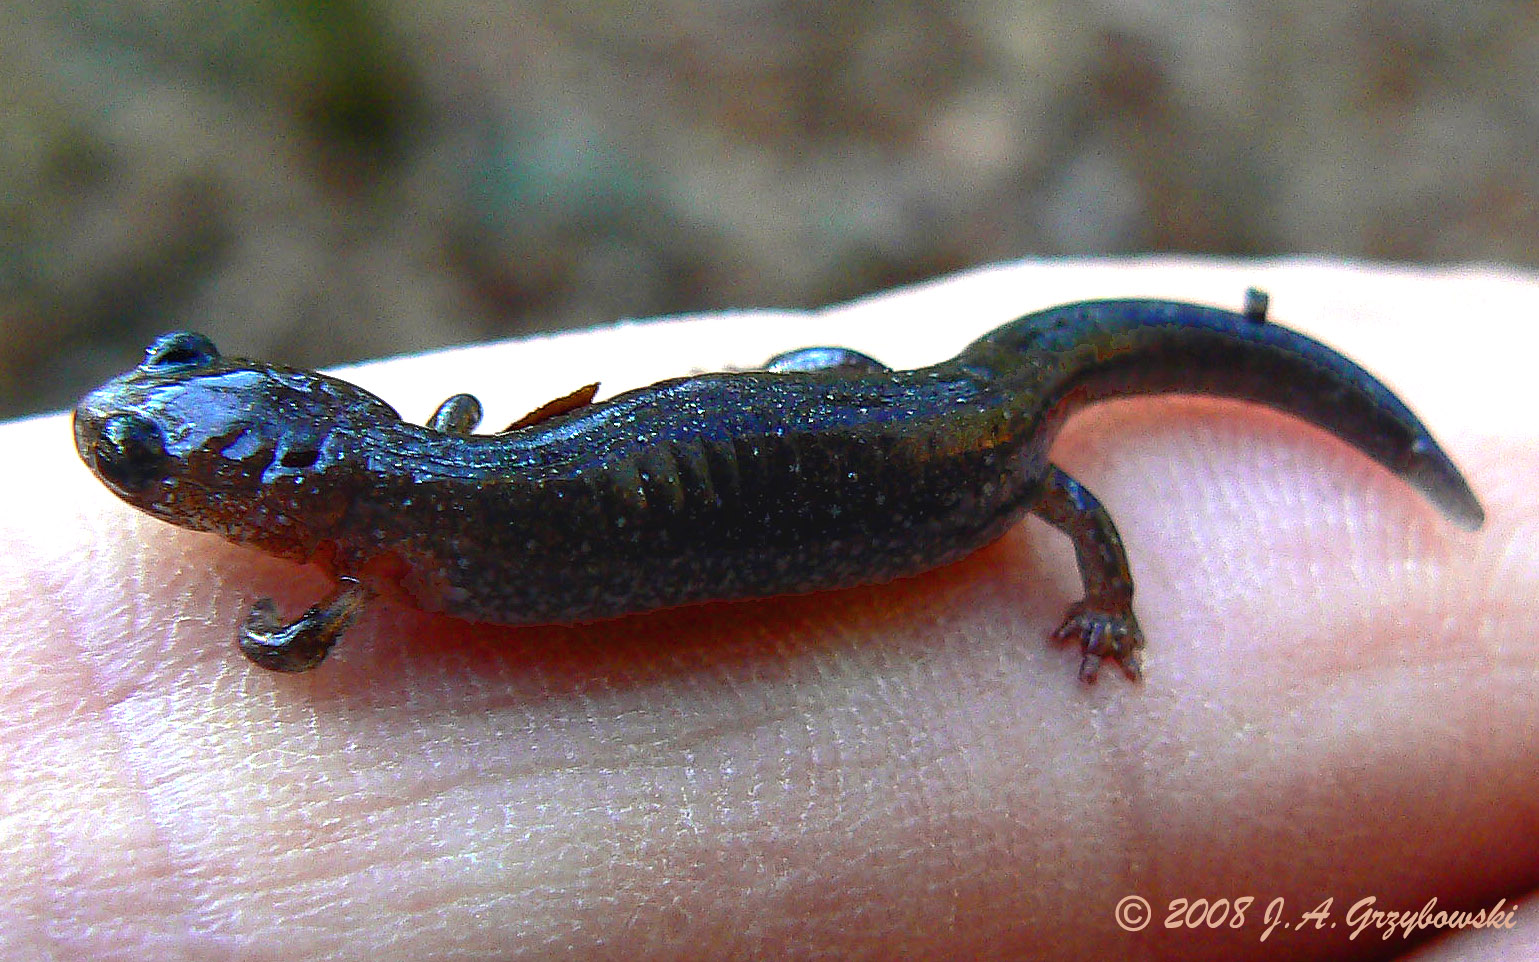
point(822, 473)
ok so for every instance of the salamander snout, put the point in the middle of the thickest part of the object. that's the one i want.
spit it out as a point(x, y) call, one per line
point(127, 451)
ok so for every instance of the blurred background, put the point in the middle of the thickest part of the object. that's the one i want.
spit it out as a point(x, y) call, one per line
point(319, 182)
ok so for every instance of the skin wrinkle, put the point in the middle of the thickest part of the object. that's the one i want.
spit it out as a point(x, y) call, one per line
point(206, 908)
point(97, 712)
point(1285, 496)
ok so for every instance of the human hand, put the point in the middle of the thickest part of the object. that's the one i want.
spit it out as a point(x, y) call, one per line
point(1341, 699)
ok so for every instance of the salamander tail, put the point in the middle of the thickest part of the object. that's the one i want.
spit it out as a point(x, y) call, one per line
point(1095, 350)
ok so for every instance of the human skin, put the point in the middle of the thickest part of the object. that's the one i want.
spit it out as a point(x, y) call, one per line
point(1341, 697)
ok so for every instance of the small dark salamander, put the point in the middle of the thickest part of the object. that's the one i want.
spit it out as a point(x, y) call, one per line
point(826, 469)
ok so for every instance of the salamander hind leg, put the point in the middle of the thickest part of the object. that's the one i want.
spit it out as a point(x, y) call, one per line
point(303, 643)
point(1103, 621)
point(806, 360)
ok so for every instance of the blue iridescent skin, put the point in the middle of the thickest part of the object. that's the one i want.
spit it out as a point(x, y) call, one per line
point(822, 471)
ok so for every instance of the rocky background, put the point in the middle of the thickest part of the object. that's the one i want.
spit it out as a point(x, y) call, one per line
point(320, 181)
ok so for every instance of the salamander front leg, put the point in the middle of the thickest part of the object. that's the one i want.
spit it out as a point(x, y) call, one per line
point(301, 644)
point(458, 414)
point(1103, 622)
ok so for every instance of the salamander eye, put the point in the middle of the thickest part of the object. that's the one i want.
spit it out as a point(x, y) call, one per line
point(130, 452)
point(179, 350)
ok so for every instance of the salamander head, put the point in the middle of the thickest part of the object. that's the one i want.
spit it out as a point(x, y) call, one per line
point(248, 450)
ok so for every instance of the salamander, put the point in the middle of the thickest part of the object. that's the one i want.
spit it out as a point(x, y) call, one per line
point(824, 469)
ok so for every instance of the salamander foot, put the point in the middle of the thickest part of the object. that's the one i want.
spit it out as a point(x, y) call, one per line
point(1104, 631)
point(1103, 622)
point(303, 643)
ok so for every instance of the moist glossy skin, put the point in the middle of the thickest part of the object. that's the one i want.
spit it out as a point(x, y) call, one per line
point(826, 470)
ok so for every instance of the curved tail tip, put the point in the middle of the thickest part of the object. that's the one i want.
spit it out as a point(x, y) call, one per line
point(1431, 472)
